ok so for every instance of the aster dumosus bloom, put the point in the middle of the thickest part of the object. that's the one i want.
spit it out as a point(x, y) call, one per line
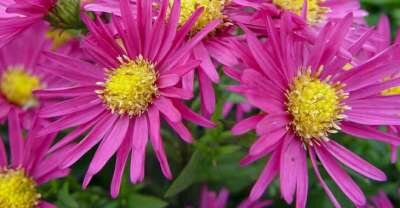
point(28, 166)
point(314, 12)
point(121, 99)
point(305, 96)
point(211, 199)
point(21, 73)
point(211, 51)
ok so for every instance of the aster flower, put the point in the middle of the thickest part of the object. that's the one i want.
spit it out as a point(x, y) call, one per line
point(210, 51)
point(28, 167)
point(210, 199)
point(315, 12)
point(240, 109)
point(17, 16)
point(121, 98)
point(305, 96)
point(20, 74)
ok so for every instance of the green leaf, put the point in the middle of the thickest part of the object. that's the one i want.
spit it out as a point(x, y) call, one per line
point(65, 199)
point(192, 173)
point(144, 201)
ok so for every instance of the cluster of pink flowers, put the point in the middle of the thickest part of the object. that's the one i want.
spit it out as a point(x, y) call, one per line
point(305, 70)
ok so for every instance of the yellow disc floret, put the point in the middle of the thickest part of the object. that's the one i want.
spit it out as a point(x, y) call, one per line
point(392, 91)
point(131, 88)
point(315, 106)
point(315, 12)
point(17, 190)
point(212, 11)
point(17, 85)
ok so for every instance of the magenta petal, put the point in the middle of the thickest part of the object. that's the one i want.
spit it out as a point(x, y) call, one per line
point(268, 173)
point(290, 154)
point(267, 141)
point(369, 132)
point(139, 142)
point(16, 140)
point(302, 179)
point(167, 80)
point(122, 156)
point(109, 145)
point(354, 162)
point(92, 138)
point(246, 125)
point(341, 178)
point(321, 180)
point(157, 143)
point(166, 107)
point(3, 154)
point(189, 115)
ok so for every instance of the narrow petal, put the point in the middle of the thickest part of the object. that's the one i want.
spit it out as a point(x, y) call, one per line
point(354, 162)
point(16, 140)
point(139, 142)
point(246, 125)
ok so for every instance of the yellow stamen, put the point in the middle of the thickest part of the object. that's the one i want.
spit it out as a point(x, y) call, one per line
point(59, 37)
point(131, 88)
point(17, 85)
point(315, 106)
point(315, 12)
point(17, 190)
point(212, 11)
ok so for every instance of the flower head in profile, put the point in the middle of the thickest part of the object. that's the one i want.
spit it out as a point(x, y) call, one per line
point(134, 83)
point(28, 166)
point(305, 97)
point(21, 74)
point(210, 199)
point(17, 16)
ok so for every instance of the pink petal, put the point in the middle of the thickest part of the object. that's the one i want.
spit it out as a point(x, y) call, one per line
point(290, 153)
point(166, 107)
point(121, 158)
point(246, 125)
point(342, 179)
point(139, 142)
point(16, 140)
point(156, 140)
point(354, 162)
point(369, 132)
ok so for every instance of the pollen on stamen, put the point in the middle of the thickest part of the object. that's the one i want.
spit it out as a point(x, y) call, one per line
point(17, 189)
point(315, 12)
point(16, 85)
point(315, 107)
point(131, 88)
point(213, 10)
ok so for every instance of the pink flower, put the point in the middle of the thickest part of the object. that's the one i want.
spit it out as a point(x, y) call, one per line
point(17, 16)
point(29, 166)
point(210, 199)
point(315, 12)
point(305, 96)
point(21, 73)
point(119, 100)
point(211, 51)
point(240, 109)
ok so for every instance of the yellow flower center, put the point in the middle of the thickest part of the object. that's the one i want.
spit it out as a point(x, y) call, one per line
point(315, 12)
point(59, 37)
point(17, 190)
point(212, 11)
point(17, 85)
point(131, 88)
point(315, 107)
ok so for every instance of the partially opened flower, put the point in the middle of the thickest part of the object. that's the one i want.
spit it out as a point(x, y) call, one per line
point(121, 99)
point(210, 199)
point(305, 96)
point(17, 16)
point(28, 167)
point(20, 74)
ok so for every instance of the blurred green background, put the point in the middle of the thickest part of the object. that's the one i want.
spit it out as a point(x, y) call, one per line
point(213, 160)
